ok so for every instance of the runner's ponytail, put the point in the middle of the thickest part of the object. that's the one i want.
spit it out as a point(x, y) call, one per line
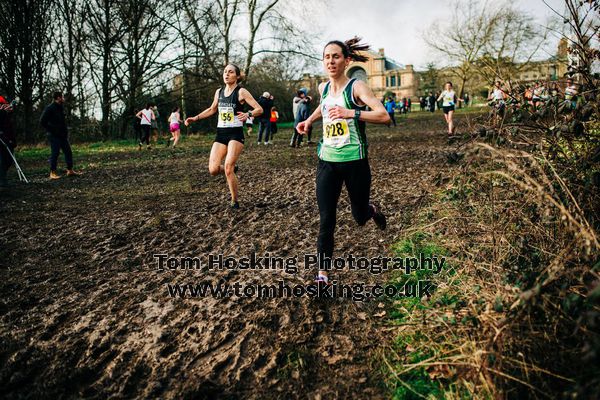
point(351, 47)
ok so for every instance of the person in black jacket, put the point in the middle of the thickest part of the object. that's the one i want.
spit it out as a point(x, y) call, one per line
point(266, 102)
point(53, 121)
point(7, 135)
point(431, 101)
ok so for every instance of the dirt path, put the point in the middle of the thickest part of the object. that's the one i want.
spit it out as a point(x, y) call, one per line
point(85, 313)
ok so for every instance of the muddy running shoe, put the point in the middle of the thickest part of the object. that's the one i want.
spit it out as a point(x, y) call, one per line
point(235, 205)
point(54, 175)
point(453, 139)
point(378, 217)
point(140, 146)
point(71, 172)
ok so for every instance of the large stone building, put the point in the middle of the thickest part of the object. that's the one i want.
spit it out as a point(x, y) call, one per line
point(382, 74)
point(386, 76)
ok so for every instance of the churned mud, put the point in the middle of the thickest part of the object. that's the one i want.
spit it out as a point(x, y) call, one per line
point(84, 312)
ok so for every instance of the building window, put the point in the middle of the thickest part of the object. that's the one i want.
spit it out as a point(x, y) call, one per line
point(387, 81)
point(399, 84)
point(393, 83)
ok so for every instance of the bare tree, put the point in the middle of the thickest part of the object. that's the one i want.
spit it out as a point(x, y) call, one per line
point(515, 40)
point(256, 17)
point(228, 10)
point(464, 36)
point(105, 31)
point(24, 37)
point(67, 52)
point(141, 47)
point(272, 32)
point(495, 40)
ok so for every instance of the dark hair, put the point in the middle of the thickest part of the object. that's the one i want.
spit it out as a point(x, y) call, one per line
point(175, 108)
point(350, 48)
point(56, 95)
point(148, 105)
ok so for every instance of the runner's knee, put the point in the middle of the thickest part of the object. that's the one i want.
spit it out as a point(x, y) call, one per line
point(229, 169)
point(213, 169)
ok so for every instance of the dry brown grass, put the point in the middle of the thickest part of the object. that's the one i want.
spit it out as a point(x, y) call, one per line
point(521, 221)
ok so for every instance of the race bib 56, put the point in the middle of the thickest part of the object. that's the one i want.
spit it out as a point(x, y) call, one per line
point(226, 116)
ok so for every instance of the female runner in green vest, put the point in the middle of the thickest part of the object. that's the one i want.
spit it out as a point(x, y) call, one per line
point(343, 149)
point(229, 142)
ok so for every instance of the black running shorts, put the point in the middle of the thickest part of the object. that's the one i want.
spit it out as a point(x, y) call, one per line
point(447, 109)
point(226, 135)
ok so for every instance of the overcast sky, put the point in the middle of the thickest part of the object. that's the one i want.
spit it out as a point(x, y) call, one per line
point(397, 25)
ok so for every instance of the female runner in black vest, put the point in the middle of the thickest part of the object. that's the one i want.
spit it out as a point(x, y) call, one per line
point(229, 141)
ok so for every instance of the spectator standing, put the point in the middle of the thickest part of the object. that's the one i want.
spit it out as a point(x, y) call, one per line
point(302, 114)
point(146, 117)
point(390, 106)
point(9, 140)
point(571, 93)
point(274, 118)
point(266, 102)
point(54, 122)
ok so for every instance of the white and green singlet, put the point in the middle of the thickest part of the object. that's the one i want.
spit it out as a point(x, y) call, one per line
point(343, 139)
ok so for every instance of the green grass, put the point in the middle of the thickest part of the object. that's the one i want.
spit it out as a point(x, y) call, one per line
point(285, 125)
point(41, 151)
point(407, 382)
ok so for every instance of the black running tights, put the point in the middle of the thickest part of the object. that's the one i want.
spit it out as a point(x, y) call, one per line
point(356, 175)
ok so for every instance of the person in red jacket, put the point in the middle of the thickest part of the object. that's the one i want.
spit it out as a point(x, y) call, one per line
point(274, 118)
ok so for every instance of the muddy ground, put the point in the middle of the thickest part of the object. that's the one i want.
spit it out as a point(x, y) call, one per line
point(84, 313)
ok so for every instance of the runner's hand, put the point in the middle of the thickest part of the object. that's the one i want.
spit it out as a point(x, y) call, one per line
point(303, 127)
point(338, 112)
point(242, 116)
point(189, 120)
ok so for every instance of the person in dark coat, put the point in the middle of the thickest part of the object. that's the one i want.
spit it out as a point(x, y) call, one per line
point(8, 137)
point(54, 122)
point(266, 102)
point(431, 101)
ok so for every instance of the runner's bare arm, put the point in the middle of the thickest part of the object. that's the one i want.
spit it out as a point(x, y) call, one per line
point(206, 113)
point(248, 99)
point(364, 94)
point(139, 115)
point(304, 126)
